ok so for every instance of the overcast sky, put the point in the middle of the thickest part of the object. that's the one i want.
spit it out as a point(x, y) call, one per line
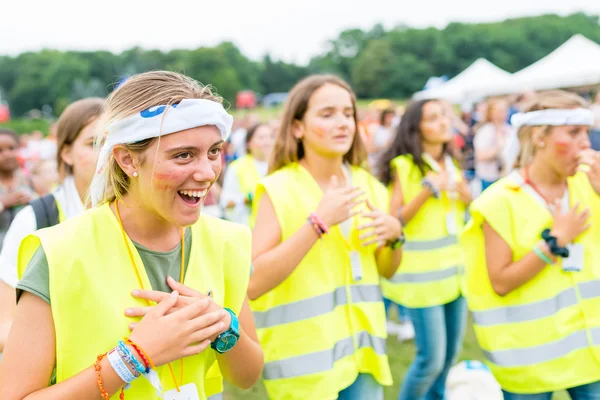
point(293, 30)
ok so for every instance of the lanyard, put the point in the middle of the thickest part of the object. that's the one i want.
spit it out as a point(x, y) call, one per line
point(349, 232)
point(450, 169)
point(451, 192)
point(139, 278)
point(539, 196)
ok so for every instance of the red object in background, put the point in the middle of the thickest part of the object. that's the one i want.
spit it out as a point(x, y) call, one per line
point(459, 141)
point(4, 113)
point(245, 99)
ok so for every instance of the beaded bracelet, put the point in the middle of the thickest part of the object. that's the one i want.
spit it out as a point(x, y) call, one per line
point(538, 252)
point(138, 365)
point(320, 227)
point(129, 362)
point(143, 355)
point(100, 382)
point(316, 227)
point(320, 222)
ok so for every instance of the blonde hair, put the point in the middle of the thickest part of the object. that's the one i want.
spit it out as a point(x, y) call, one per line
point(558, 99)
point(139, 93)
point(287, 148)
point(71, 122)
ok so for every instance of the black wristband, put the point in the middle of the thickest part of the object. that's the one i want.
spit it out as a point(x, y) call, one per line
point(552, 242)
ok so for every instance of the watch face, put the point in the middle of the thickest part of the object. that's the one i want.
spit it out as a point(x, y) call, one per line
point(226, 342)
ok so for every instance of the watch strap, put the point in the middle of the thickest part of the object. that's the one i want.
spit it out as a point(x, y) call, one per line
point(235, 323)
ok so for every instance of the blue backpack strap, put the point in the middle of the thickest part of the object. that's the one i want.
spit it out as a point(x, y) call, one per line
point(46, 211)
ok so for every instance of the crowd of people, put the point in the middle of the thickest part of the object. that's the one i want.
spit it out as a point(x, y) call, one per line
point(319, 230)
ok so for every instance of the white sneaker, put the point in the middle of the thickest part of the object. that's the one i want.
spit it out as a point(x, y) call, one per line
point(393, 328)
point(406, 331)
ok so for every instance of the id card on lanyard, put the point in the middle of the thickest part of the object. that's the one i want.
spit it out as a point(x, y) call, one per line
point(186, 392)
point(575, 261)
point(451, 192)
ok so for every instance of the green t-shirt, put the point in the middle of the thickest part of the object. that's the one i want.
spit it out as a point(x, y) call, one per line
point(158, 266)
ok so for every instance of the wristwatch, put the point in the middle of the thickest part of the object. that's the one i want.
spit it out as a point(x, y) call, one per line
point(226, 340)
point(397, 243)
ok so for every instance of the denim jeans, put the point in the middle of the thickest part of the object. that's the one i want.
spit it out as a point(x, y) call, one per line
point(402, 312)
point(591, 391)
point(439, 333)
point(365, 387)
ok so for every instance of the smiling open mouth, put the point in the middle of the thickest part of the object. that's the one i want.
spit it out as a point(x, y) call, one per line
point(192, 197)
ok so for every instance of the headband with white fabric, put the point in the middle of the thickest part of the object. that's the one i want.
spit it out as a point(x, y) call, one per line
point(553, 117)
point(151, 123)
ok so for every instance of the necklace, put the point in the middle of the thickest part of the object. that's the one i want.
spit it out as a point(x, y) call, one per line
point(535, 187)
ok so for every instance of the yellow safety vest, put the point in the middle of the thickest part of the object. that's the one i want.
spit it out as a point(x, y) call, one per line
point(545, 335)
point(248, 178)
point(61, 214)
point(432, 262)
point(320, 327)
point(91, 279)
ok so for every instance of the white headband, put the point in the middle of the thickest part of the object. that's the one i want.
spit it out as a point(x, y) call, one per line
point(553, 117)
point(188, 114)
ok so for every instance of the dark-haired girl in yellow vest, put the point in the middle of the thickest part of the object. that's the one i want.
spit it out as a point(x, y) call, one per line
point(429, 195)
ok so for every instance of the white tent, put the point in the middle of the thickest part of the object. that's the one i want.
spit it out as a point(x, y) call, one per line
point(467, 85)
point(574, 64)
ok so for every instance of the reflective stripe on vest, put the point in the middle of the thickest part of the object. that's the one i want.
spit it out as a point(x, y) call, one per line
point(320, 327)
point(219, 261)
point(540, 309)
point(430, 272)
point(424, 245)
point(545, 352)
point(315, 306)
point(323, 360)
point(543, 336)
point(424, 277)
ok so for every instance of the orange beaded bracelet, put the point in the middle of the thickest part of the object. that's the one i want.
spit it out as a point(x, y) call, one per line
point(143, 355)
point(100, 382)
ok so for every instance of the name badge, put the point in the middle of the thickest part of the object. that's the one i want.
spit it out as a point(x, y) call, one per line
point(573, 263)
point(357, 273)
point(451, 223)
point(187, 392)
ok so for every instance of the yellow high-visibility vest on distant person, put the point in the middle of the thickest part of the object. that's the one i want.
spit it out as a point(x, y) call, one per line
point(432, 262)
point(322, 326)
point(91, 279)
point(248, 178)
point(545, 335)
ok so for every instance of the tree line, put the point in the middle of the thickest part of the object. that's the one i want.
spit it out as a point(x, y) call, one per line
point(378, 63)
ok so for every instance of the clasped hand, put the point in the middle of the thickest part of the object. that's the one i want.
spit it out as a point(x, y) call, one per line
point(181, 324)
point(382, 228)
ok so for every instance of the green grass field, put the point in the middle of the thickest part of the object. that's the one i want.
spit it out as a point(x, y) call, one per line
point(400, 355)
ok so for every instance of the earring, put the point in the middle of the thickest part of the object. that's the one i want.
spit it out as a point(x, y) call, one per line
point(135, 174)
